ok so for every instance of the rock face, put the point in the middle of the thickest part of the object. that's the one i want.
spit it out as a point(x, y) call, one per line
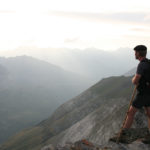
point(130, 135)
point(85, 144)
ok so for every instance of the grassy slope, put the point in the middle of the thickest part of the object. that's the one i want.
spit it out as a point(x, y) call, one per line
point(36, 137)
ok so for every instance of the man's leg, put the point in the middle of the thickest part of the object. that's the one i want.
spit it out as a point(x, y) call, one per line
point(130, 117)
point(147, 110)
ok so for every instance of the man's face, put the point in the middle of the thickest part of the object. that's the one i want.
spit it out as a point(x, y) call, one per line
point(137, 55)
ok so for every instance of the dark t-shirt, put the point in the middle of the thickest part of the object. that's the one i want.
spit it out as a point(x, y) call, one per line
point(144, 70)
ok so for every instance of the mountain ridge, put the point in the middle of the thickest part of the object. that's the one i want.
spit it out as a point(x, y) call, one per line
point(94, 114)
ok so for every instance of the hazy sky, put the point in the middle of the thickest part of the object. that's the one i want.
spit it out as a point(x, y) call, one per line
point(103, 24)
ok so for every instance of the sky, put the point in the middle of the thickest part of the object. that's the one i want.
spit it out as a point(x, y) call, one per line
point(102, 24)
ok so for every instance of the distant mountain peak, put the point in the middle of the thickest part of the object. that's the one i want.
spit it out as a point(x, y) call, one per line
point(130, 72)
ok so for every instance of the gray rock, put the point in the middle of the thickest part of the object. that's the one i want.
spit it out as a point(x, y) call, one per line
point(49, 147)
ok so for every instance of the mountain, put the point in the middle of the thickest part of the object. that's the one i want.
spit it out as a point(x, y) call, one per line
point(31, 89)
point(91, 62)
point(95, 114)
point(4, 77)
point(130, 72)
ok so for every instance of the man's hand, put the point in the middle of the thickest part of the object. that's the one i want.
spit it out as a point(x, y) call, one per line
point(136, 78)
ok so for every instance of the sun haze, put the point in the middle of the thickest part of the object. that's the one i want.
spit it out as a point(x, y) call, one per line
point(106, 25)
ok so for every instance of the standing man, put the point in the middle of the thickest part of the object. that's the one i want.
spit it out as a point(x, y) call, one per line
point(142, 81)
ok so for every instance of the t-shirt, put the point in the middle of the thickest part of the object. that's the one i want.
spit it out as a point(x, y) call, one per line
point(144, 70)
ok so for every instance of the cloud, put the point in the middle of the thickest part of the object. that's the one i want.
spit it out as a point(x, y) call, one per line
point(140, 30)
point(141, 38)
point(71, 40)
point(7, 11)
point(147, 17)
point(121, 17)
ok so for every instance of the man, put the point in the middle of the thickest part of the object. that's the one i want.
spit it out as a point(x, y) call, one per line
point(142, 81)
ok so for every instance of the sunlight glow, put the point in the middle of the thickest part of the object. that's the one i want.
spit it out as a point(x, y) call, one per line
point(73, 24)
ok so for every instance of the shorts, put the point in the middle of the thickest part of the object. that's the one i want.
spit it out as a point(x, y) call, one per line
point(141, 100)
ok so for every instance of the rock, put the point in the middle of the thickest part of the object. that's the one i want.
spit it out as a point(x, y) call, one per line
point(130, 135)
point(132, 141)
point(138, 145)
point(49, 147)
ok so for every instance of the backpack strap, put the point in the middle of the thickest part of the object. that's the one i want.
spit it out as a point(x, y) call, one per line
point(148, 82)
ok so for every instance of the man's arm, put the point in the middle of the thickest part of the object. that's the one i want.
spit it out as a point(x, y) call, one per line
point(136, 78)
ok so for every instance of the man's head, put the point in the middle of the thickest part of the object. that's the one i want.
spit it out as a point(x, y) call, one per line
point(140, 51)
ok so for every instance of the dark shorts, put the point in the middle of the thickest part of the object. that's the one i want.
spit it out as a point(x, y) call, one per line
point(141, 100)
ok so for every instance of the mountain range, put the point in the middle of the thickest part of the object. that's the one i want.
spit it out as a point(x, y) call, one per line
point(31, 89)
point(95, 114)
point(90, 62)
point(71, 119)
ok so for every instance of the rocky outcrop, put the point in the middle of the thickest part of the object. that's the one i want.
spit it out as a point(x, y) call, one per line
point(85, 144)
